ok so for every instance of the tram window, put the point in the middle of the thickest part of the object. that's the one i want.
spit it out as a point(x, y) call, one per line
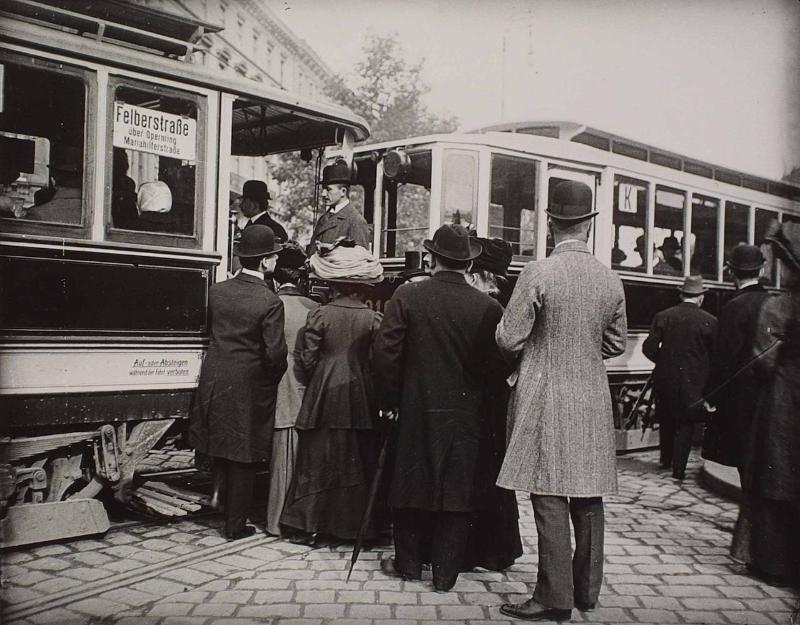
point(765, 219)
point(630, 224)
point(42, 130)
point(154, 160)
point(406, 212)
point(668, 232)
point(512, 210)
point(460, 187)
point(737, 217)
point(703, 242)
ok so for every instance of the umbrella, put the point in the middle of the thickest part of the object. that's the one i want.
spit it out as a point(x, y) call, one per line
point(373, 490)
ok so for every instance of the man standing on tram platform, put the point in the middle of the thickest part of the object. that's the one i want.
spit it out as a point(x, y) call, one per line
point(732, 386)
point(680, 343)
point(566, 315)
point(255, 202)
point(233, 411)
point(341, 219)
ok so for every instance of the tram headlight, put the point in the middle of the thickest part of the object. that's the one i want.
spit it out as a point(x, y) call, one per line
point(396, 164)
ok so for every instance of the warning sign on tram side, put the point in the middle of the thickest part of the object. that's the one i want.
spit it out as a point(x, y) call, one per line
point(155, 132)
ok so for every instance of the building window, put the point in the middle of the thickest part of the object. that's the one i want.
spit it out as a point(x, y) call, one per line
point(282, 71)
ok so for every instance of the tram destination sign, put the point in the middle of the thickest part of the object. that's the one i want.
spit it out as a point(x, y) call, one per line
point(155, 132)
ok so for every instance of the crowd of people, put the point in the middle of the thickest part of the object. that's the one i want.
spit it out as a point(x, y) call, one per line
point(478, 392)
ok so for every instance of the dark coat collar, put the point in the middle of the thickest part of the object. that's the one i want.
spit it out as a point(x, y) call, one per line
point(451, 277)
point(246, 277)
point(347, 301)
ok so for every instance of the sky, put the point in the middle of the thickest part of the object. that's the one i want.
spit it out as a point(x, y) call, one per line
point(717, 80)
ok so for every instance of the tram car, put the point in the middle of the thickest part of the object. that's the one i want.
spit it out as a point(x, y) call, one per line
point(662, 215)
point(115, 150)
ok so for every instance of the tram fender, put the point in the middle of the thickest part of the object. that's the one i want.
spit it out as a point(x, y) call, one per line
point(26, 524)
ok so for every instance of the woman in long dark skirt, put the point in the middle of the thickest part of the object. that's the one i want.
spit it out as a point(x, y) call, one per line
point(337, 447)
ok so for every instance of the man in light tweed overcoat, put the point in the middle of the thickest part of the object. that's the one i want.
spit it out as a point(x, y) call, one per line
point(566, 315)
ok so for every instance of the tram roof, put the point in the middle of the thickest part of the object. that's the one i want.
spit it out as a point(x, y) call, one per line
point(265, 120)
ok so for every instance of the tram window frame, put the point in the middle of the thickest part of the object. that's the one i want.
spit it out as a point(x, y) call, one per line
point(83, 229)
point(456, 183)
point(656, 241)
point(161, 239)
point(732, 206)
point(760, 228)
point(392, 195)
point(642, 187)
point(701, 200)
point(524, 250)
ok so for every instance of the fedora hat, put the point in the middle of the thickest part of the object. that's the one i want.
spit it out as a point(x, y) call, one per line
point(745, 258)
point(692, 285)
point(571, 201)
point(670, 243)
point(785, 240)
point(453, 241)
point(255, 190)
point(337, 173)
point(257, 240)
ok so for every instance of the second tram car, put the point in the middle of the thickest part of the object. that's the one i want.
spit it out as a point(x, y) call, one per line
point(661, 217)
point(115, 155)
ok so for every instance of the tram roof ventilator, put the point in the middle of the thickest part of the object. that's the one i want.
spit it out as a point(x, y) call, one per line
point(122, 22)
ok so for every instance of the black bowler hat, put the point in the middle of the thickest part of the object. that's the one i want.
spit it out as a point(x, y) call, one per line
point(257, 240)
point(670, 243)
point(452, 241)
point(746, 258)
point(255, 190)
point(692, 285)
point(785, 240)
point(337, 173)
point(571, 201)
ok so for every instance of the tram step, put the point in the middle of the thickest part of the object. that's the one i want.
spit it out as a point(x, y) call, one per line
point(26, 524)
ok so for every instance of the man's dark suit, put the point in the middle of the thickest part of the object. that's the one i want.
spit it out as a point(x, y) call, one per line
point(734, 395)
point(347, 222)
point(435, 358)
point(233, 413)
point(680, 342)
point(277, 229)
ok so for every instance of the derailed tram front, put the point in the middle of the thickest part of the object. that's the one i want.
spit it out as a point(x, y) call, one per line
point(115, 187)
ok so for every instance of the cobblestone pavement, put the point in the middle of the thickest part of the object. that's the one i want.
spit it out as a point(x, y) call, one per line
point(666, 562)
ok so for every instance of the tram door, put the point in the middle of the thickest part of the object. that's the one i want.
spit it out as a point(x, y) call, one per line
point(559, 174)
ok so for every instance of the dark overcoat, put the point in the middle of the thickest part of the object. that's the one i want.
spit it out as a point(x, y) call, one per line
point(233, 412)
point(732, 386)
point(680, 342)
point(278, 230)
point(347, 222)
point(434, 358)
point(335, 357)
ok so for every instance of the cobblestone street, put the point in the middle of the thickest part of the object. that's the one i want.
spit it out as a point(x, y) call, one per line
point(666, 562)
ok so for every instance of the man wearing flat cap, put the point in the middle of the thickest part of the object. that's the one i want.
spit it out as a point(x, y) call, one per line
point(732, 388)
point(566, 315)
point(341, 219)
point(434, 359)
point(255, 201)
point(680, 342)
point(233, 412)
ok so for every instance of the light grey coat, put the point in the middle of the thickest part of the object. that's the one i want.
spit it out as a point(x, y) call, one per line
point(566, 315)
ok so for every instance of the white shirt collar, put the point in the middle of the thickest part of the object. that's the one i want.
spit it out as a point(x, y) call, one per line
point(257, 216)
point(749, 282)
point(253, 272)
point(339, 206)
point(560, 243)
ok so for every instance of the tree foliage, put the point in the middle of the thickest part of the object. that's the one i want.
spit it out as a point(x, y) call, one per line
point(385, 90)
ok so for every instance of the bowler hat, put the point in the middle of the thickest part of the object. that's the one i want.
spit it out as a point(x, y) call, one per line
point(257, 240)
point(453, 241)
point(670, 243)
point(291, 256)
point(337, 173)
point(746, 258)
point(255, 190)
point(785, 240)
point(571, 201)
point(692, 285)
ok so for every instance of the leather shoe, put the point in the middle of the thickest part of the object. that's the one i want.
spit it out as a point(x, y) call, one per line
point(532, 610)
point(245, 532)
point(585, 607)
point(389, 568)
